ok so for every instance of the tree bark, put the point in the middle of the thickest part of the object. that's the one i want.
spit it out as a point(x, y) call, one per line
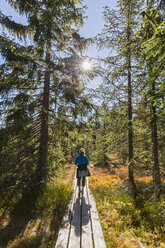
point(154, 136)
point(130, 130)
point(43, 148)
point(104, 144)
point(130, 126)
point(153, 123)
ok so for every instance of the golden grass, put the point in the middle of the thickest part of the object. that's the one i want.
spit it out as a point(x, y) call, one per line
point(124, 225)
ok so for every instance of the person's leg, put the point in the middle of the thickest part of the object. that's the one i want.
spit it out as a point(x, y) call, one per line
point(83, 181)
point(83, 184)
point(78, 183)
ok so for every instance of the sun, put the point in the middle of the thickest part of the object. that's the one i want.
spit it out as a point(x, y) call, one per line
point(86, 65)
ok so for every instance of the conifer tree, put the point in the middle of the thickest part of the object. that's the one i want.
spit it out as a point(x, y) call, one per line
point(154, 44)
point(40, 69)
point(119, 36)
point(149, 27)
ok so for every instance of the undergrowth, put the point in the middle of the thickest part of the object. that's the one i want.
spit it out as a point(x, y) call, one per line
point(126, 221)
point(35, 217)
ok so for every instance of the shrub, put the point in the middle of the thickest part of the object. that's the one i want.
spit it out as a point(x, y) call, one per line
point(125, 220)
point(54, 199)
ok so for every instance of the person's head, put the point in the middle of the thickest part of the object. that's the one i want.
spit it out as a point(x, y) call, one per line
point(82, 151)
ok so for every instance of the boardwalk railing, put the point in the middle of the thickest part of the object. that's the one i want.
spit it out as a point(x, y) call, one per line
point(81, 226)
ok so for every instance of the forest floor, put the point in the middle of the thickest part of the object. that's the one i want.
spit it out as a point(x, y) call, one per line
point(35, 218)
point(126, 223)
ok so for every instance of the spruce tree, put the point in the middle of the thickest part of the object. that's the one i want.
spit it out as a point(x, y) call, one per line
point(40, 69)
point(119, 36)
point(148, 32)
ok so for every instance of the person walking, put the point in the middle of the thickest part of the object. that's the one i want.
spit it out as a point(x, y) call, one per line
point(82, 162)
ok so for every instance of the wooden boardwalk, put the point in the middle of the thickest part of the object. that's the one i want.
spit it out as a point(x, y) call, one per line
point(81, 226)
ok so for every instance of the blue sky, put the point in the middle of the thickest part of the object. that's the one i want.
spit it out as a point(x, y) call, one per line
point(93, 23)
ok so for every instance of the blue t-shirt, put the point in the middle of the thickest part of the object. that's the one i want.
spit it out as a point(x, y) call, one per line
point(80, 159)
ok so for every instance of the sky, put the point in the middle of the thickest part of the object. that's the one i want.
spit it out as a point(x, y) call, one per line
point(93, 24)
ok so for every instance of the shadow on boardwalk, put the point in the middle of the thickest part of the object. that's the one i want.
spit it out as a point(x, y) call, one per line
point(81, 228)
point(78, 220)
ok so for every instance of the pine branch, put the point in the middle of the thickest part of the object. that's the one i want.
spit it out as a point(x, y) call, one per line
point(20, 29)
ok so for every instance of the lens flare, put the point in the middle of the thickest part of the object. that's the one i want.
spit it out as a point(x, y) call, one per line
point(86, 65)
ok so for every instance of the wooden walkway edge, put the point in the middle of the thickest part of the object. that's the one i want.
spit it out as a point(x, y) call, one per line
point(81, 226)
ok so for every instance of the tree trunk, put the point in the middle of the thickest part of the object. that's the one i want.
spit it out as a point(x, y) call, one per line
point(43, 148)
point(104, 143)
point(130, 130)
point(154, 136)
point(130, 127)
point(156, 169)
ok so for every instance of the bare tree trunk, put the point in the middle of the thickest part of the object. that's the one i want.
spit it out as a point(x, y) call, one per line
point(154, 136)
point(43, 148)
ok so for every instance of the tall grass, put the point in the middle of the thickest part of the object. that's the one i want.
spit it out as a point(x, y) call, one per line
point(35, 218)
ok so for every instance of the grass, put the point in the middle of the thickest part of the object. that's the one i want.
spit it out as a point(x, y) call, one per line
point(34, 220)
point(126, 222)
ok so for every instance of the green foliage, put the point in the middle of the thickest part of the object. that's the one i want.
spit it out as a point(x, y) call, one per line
point(154, 45)
point(47, 69)
point(33, 214)
point(25, 99)
point(54, 200)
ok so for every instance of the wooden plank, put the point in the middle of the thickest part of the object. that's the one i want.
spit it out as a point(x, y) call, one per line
point(98, 238)
point(75, 233)
point(81, 225)
point(64, 232)
point(86, 238)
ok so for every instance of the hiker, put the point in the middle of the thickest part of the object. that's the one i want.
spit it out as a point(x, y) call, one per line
point(81, 162)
